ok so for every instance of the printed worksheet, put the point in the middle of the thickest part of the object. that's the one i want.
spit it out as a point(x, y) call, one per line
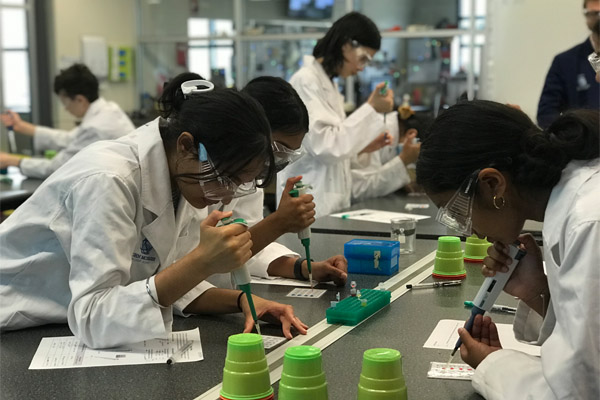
point(376, 215)
point(445, 335)
point(69, 352)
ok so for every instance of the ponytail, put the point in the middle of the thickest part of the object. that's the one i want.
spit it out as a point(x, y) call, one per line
point(479, 134)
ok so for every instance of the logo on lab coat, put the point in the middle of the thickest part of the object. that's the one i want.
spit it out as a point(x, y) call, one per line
point(146, 247)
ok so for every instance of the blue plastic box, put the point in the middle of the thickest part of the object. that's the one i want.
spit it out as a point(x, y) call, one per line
point(377, 257)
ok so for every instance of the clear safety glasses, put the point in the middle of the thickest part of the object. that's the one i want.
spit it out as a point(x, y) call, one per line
point(457, 213)
point(216, 186)
point(285, 156)
point(594, 60)
point(363, 57)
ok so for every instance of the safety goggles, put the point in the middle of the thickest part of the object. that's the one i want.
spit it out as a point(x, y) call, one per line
point(285, 156)
point(594, 60)
point(217, 186)
point(362, 55)
point(591, 14)
point(458, 212)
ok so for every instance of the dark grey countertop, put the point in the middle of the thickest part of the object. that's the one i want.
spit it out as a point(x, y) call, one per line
point(405, 325)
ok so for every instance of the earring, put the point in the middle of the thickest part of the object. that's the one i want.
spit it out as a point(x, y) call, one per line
point(501, 205)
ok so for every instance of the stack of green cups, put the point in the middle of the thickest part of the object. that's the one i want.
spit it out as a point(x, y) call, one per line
point(476, 249)
point(381, 376)
point(246, 373)
point(302, 376)
point(449, 262)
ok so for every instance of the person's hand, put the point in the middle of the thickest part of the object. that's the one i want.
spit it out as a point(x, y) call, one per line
point(382, 103)
point(333, 269)
point(528, 278)
point(225, 248)
point(295, 213)
point(410, 151)
point(8, 160)
point(11, 118)
point(482, 341)
point(384, 139)
point(272, 312)
point(515, 106)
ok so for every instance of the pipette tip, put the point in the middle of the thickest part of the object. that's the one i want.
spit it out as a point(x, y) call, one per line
point(257, 328)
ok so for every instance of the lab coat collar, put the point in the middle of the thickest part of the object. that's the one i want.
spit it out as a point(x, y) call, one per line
point(156, 190)
point(312, 63)
point(95, 107)
point(331, 88)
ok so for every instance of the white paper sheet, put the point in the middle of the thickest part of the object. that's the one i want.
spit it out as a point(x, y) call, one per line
point(69, 352)
point(445, 335)
point(376, 215)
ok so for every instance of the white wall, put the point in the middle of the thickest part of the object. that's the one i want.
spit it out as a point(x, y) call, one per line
point(523, 38)
point(112, 19)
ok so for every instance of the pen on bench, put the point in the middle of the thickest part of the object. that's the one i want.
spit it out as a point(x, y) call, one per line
point(179, 353)
point(432, 285)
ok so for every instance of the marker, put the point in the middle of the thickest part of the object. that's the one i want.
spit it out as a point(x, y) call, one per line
point(432, 285)
point(179, 353)
point(346, 216)
point(496, 307)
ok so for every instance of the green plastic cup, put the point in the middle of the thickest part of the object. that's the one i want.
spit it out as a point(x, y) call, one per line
point(449, 261)
point(476, 249)
point(246, 373)
point(302, 376)
point(381, 376)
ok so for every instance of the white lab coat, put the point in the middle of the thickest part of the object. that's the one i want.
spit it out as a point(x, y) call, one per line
point(332, 139)
point(104, 120)
point(569, 367)
point(381, 172)
point(250, 208)
point(80, 249)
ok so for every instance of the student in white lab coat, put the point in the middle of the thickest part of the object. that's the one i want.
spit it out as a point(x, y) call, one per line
point(288, 118)
point(77, 89)
point(379, 172)
point(513, 171)
point(333, 139)
point(119, 238)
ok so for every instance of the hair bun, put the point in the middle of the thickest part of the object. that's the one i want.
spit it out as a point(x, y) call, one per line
point(405, 112)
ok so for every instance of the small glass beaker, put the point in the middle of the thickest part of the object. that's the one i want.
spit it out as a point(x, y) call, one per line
point(404, 230)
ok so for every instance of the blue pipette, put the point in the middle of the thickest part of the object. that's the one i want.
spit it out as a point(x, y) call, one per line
point(490, 290)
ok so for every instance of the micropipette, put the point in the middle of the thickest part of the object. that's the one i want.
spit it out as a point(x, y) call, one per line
point(490, 290)
point(241, 275)
point(304, 235)
point(383, 92)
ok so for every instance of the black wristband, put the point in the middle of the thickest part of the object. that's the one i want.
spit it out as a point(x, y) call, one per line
point(298, 269)
point(239, 301)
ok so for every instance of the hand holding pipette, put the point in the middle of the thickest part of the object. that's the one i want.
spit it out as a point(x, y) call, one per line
point(383, 92)
point(304, 235)
point(241, 275)
point(490, 290)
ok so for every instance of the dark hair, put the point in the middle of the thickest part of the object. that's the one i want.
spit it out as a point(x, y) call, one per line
point(77, 79)
point(231, 125)
point(479, 134)
point(285, 110)
point(421, 122)
point(352, 26)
